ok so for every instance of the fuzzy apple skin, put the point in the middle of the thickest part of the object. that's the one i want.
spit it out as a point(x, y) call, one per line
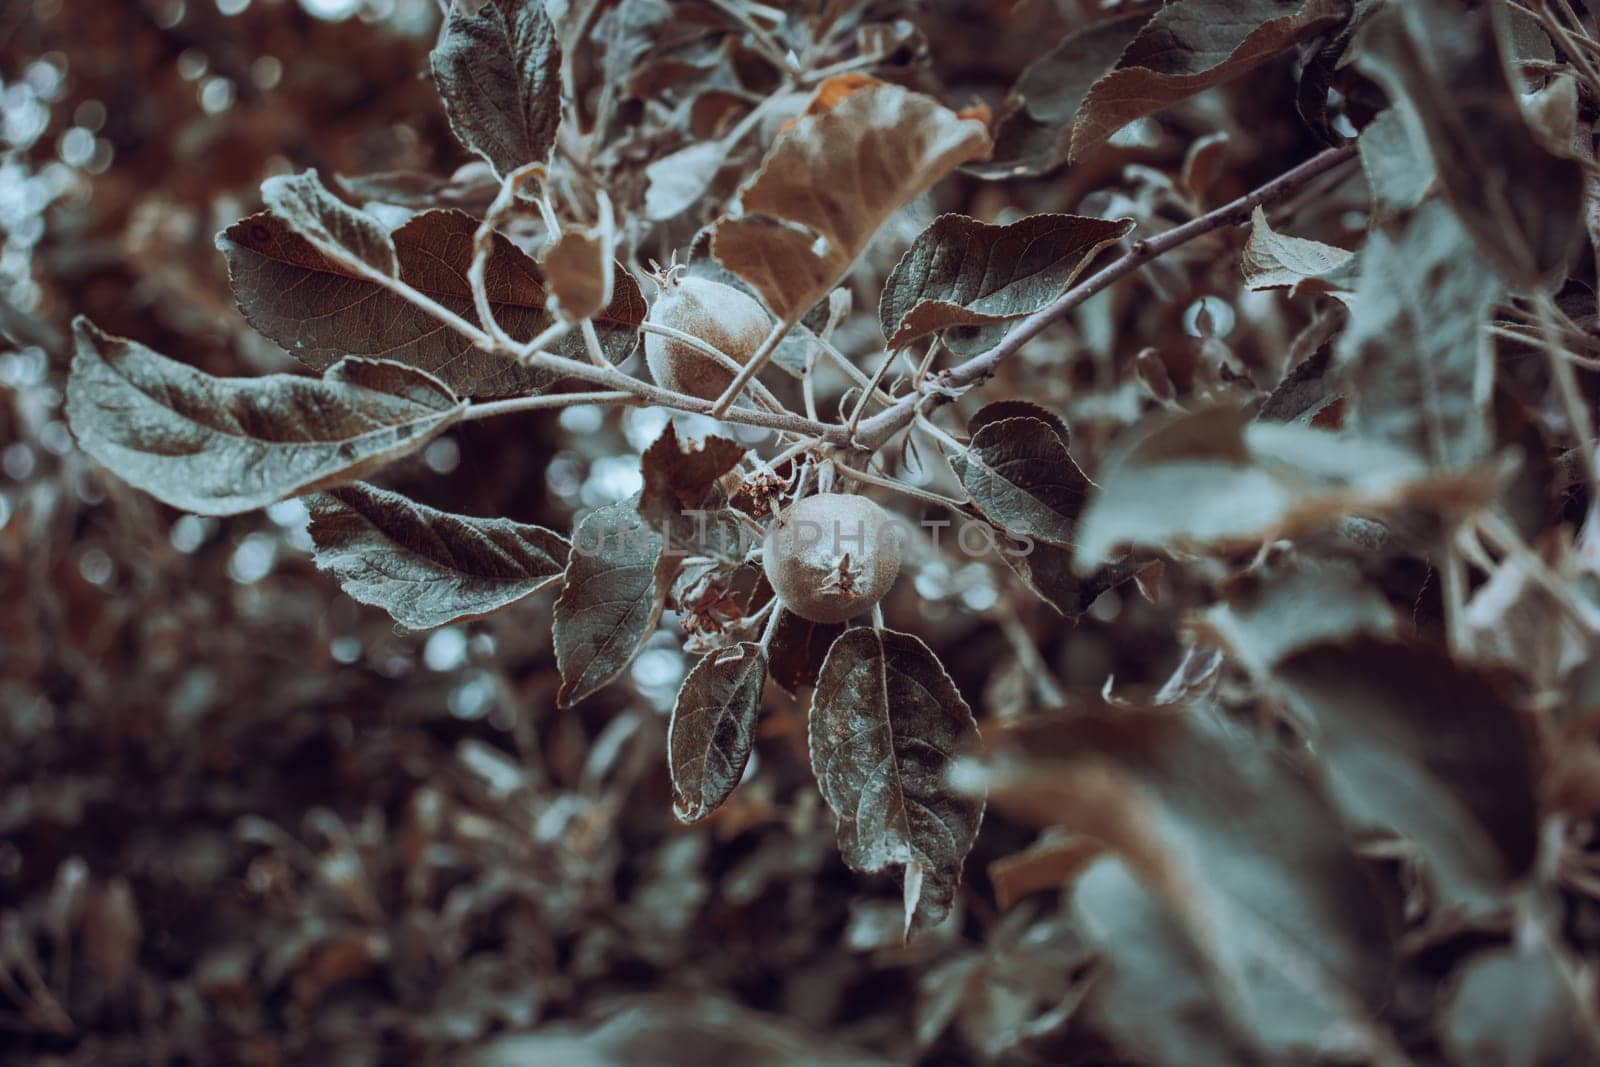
point(832, 556)
point(718, 314)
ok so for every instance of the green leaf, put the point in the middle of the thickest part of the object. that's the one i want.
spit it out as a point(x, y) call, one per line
point(499, 71)
point(1191, 46)
point(1022, 479)
point(1277, 261)
point(335, 229)
point(1444, 67)
point(886, 722)
point(616, 586)
point(1265, 617)
point(1152, 991)
point(1399, 169)
point(962, 272)
point(321, 310)
point(219, 446)
point(428, 567)
point(1412, 742)
point(830, 181)
point(713, 728)
point(1248, 860)
point(1415, 350)
point(1515, 1005)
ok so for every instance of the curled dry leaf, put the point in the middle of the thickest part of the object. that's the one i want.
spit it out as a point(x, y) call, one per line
point(220, 446)
point(886, 723)
point(829, 182)
point(713, 728)
point(426, 567)
point(962, 272)
point(580, 278)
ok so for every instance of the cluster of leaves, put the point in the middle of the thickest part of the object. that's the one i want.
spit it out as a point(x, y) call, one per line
point(1293, 625)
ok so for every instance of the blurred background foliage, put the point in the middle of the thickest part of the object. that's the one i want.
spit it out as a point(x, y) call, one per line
point(245, 820)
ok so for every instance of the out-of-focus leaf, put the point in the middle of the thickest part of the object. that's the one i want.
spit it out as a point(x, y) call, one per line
point(428, 567)
point(1399, 169)
point(679, 180)
point(962, 272)
point(219, 446)
point(1251, 860)
point(1048, 571)
point(713, 727)
point(886, 721)
point(1022, 479)
point(1413, 742)
point(1514, 1005)
point(829, 182)
point(1266, 617)
point(1034, 133)
point(611, 600)
point(1050, 863)
point(1211, 479)
point(1191, 46)
point(1415, 349)
point(1277, 261)
point(321, 311)
point(499, 71)
point(668, 1031)
point(1443, 65)
point(798, 648)
point(1153, 992)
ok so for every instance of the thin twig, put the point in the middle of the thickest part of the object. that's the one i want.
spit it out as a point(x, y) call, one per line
point(757, 361)
point(885, 424)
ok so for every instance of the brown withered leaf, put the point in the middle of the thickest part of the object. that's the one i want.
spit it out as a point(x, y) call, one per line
point(886, 722)
point(321, 311)
point(1189, 47)
point(680, 475)
point(220, 446)
point(962, 272)
point(713, 728)
point(577, 272)
point(1249, 859)
point(830, 181)
point(427, 567)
